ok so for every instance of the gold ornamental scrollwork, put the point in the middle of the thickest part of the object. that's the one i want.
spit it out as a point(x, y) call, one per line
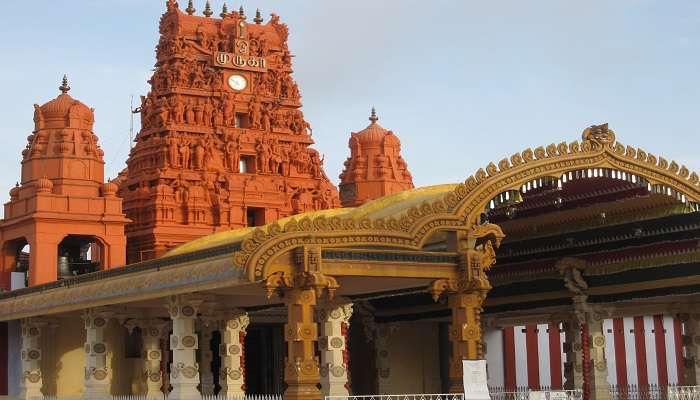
point(307, 274)
point(477, 252)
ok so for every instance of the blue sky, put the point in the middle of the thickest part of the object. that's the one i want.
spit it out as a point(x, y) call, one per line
point(460, 82)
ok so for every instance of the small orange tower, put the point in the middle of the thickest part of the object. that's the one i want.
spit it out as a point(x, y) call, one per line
point(63, 214)
point(375, 167)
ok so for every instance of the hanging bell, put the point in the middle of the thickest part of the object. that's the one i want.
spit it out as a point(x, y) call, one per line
point(64, 268)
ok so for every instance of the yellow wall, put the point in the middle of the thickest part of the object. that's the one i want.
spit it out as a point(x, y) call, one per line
point(63, 362)
point(63, 357)
point(415, 358)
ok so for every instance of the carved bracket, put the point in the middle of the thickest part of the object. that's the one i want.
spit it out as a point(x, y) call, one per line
point(477, 249)
point(307, 275)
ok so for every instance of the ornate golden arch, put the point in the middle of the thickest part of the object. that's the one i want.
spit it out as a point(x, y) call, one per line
point(460, 208)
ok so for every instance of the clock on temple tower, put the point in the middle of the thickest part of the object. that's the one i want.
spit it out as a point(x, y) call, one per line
point(223, 143)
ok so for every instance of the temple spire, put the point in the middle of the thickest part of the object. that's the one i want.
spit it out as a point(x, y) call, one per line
point(64, 88)
point(224, 11)
point(373, 117)
point(190, 8)
point(207, 10)
point(258, 17)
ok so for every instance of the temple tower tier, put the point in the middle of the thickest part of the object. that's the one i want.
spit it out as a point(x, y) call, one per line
point(223, 143)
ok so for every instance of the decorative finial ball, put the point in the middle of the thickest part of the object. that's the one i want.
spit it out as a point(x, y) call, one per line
point(109, 189)
point(43, 185)
point(14, 192)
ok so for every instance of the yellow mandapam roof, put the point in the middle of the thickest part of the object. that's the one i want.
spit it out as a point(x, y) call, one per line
point(393, 205)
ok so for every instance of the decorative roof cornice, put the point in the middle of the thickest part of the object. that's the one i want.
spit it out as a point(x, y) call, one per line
point(460, 209)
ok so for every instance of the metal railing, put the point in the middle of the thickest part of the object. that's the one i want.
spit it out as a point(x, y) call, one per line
point(496, 393)
point(164, 397)
point(676, 392)
point(526, 393)
point(436, 396)
point(654, 392)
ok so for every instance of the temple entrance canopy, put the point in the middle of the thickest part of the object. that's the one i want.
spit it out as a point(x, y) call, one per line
point(409, 220)
point(448, 241)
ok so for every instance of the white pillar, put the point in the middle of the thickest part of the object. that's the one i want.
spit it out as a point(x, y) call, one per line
point(600, 389)
point(97, 375)
point(207, 327)
point(232, 351)
point(334, 368)
point(184, 370)
point(152, 331)
point(31, 383)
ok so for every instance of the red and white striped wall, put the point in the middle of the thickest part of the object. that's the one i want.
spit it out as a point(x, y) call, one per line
point(529, 355)
point(640, 350)
point(644, 350)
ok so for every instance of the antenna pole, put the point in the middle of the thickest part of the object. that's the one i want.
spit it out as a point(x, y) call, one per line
point(133, 111)
point(131, 123)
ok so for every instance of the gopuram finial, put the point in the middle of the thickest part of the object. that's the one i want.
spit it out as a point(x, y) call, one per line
point(373, 117)
point(64, 88)
point(224, 11)
point(190, 8)
point(258, 17)
point(207, 10)
point(241, 12)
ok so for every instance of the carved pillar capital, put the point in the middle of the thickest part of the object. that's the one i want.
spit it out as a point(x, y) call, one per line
point(307, 274)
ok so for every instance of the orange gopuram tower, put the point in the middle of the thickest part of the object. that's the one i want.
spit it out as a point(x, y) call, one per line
point(223, 143)
point(375, 167)
point(63, 217)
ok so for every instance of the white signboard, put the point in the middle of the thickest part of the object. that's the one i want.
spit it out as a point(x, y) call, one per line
point(537, 395)
point(475, 380)
point(551, 395)
point(557, 395)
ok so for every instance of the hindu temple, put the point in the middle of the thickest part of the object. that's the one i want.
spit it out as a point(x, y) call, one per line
point(223, 261)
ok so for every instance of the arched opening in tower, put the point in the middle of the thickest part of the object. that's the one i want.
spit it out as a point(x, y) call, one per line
point(17, 253)
point(78, 254)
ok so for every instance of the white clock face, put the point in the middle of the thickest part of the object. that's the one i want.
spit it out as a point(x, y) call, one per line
point(237, 82)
